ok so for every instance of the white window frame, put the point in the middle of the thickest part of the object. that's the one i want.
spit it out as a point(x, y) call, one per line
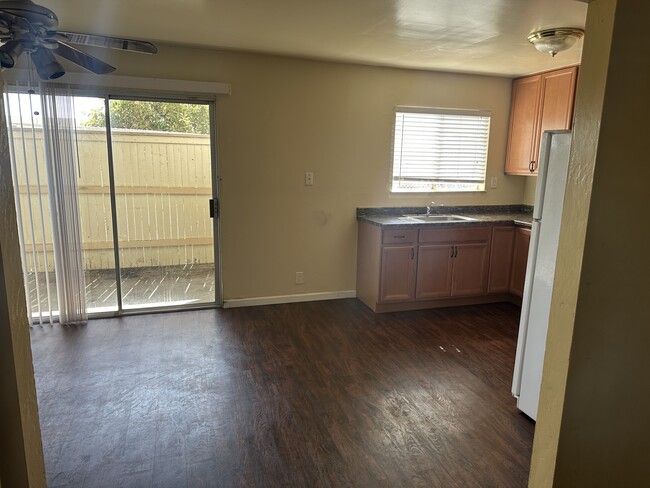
point(436, 171)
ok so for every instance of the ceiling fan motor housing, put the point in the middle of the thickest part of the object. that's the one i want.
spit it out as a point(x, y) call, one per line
point(36, 15)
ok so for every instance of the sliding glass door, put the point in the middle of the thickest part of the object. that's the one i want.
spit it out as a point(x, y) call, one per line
point(146, 180)
point(162, 163)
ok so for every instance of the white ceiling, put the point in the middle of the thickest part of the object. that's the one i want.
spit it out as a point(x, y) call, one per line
point(476, 36)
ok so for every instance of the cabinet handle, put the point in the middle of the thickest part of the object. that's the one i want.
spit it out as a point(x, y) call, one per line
point(455, 251)
point(534, 165)
point(531, 166)
point(412, 254)
point(399, 237)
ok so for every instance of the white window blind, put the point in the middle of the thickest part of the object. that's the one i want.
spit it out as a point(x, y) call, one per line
point(440, 149)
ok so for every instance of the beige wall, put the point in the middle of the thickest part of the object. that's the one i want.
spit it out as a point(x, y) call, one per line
point(593, 427)
point(530, 185)
point(287, 116)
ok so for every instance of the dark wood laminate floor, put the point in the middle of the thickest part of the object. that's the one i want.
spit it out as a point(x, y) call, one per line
point(312, 394)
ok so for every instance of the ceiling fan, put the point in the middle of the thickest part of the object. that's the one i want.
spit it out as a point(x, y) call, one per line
point(26, 27)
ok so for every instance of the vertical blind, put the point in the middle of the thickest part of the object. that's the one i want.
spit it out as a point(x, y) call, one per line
point(439, 149)
point(32, 205)
point(62, 163)
point(42, 142)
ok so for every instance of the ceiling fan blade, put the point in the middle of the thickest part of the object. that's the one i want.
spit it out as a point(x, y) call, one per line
point(55, 36)
point(111, 42)
point(91, 63)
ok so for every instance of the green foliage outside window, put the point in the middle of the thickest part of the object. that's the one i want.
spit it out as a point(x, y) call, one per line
point(158, 116)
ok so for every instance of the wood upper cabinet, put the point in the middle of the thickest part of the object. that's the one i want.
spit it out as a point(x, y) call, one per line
point(556, 106)
point(524, 115)
point(501, 259)
point(540, 102)
point(519, 261)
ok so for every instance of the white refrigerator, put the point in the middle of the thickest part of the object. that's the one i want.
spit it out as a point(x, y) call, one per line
point(540, 271)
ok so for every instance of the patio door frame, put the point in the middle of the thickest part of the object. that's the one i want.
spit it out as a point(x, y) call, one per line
point(112, 94)
point(157, 89)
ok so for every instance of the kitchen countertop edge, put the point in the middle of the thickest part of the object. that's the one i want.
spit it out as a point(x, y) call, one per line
point(480, 219)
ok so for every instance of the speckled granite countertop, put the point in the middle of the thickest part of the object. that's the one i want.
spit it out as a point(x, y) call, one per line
point(520, 215)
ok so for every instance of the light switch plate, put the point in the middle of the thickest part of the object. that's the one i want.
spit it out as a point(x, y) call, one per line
point(309, 178)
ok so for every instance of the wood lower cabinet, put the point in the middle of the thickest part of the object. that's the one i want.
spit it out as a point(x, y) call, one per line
point(457, 262)
point(434, 275)
point(503, 239)
point(470, 269)
point(519, 261)
point(397, 273)
point(407, 269)
point(539, 102)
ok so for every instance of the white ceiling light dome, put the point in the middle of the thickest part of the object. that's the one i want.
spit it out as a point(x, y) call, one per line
point(553, 41)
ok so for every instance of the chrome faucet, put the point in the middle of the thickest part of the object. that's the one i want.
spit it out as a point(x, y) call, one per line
point(430, 207)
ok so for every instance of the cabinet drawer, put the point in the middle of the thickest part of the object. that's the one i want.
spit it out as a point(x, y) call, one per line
point(456, 234)
point(400, 236)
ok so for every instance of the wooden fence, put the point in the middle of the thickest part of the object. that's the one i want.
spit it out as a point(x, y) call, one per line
point(162, 183)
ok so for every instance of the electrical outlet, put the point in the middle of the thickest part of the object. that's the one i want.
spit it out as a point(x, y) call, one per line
point(300, 277)
point(309, 178)
point(494, 182)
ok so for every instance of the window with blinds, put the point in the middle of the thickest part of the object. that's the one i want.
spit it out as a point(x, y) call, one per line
point(440, 150)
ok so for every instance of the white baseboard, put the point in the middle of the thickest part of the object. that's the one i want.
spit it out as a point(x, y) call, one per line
point(306, 297)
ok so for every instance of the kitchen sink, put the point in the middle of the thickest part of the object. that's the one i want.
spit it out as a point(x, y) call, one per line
point(438, 218)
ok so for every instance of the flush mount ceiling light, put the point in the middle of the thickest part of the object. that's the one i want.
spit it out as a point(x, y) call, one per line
point(553, 41)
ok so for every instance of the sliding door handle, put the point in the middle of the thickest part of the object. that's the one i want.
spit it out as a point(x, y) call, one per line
point(214, 208)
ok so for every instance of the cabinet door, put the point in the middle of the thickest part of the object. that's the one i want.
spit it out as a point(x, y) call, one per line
point(501, 259)
point(558, 90)
point(397, 281)
point(469, 275)
point(434, 271)
point(524, 114)
point(519, 261)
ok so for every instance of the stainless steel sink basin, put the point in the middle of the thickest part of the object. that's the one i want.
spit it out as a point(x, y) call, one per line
point(438, 218)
